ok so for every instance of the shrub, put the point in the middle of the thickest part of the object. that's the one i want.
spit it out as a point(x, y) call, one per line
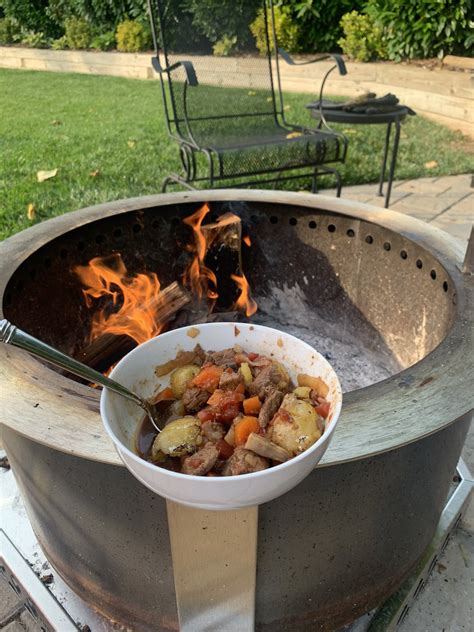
point(317, 22)
point(229, 18)
point(32, 16)
point(78, 33)
point(423, 29)
point(106, 41)
point(225, 46)
point(286, 31)
point(10, 31)
point(35, 40)
point(132, 37)
point(363, 38)
point(60, 43)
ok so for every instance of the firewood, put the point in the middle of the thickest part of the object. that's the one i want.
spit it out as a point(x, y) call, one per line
point(108, 349)
point(224, 256)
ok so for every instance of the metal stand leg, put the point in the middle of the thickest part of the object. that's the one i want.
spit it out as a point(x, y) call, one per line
point(393, 162)
point(385, 154)
point(314, 181)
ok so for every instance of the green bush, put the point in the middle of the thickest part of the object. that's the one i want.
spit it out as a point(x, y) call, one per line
point(218, 18)
point(424, 29)
point(225, 46)
point(35, 40)
point(78, 32)
point(60, 43)
point(318, 22)
point(32, 16)
point(10, 31)
point(132, 37)
point(286, 31)
point(106, 41)
point(363, 38)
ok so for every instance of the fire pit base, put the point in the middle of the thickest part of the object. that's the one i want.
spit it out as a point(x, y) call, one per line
point(339, 548)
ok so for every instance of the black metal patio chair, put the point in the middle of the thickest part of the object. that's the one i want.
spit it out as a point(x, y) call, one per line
point(227, 112)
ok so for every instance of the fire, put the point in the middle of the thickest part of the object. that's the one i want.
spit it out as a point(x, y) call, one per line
point(198, 277)
point(137, 298)
point(245, 301)
point(247, 241)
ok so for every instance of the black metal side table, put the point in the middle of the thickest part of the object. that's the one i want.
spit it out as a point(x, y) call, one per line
point(333, 115)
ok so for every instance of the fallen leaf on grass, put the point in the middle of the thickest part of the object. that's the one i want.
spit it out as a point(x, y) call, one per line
point(46, 175)
point(251, 93)
point(431, 164)
point(294, 135)
point(131, 143)
point(287, 108)
point(56, 122)
point(31, 212)
point(95, 173)
point(349, 130)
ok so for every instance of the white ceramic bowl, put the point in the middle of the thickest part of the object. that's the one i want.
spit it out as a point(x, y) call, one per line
point(136, 371)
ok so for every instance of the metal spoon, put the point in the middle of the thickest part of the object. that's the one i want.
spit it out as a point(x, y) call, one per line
point(9, 334)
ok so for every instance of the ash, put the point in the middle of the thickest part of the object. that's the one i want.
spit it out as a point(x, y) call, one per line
point(356, 364)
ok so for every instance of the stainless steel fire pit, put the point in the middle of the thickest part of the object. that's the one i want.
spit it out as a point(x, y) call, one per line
point(361, 283)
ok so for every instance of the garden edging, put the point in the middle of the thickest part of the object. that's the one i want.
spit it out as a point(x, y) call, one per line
point(437, 93)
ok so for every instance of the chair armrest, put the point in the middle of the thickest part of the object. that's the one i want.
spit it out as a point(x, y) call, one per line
point(337, 58)
point(187, 65)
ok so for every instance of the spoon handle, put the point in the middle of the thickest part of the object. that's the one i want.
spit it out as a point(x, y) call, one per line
point(9, 334)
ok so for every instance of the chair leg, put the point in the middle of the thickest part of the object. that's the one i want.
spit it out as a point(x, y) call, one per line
point(314, 181)
point(385, 155)
point(393, 162)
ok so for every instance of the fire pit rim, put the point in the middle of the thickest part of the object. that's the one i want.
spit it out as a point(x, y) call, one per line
point(72, 409)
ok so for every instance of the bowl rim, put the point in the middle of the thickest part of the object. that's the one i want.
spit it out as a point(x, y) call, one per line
point(222, 479)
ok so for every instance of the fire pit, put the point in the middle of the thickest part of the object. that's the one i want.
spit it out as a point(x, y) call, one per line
point(377, 292)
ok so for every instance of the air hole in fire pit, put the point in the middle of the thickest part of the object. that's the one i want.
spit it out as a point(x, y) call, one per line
point(403, 254)
point(136, 228)
point(445, 286)
point(331, 228)
point(350, 233)
point(419, 264)
point(387, 246)
point(312, 224)
point(274, 219)
point(369, 239)
point(293, 221)
point(155, 224)
point(433, 274)
point(117, 233)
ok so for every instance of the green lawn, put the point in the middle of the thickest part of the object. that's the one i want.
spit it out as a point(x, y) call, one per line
point(107, 138)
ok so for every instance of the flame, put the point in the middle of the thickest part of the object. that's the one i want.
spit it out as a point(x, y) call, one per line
point(245, 300)
point(247, 241)
point(198, 277)
point(137, 298)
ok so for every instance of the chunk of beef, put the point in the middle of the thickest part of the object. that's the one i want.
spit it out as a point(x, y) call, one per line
point(200, 355)
point(202, 461)
point(269, 376)
point(194, 399)
point(270, 406)
point(230, 380)
point(244, 462)
point(225, 358)
point(213, 430)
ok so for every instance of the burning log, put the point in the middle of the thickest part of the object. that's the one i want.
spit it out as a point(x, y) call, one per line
point(224, 255)
point(107, 349)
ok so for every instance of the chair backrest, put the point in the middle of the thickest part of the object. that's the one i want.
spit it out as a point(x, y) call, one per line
point(216, 82)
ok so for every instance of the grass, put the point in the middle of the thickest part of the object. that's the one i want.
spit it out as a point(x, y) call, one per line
point(107, 138)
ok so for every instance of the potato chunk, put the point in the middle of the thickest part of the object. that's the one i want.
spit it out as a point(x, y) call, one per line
point(295, 426)
point(181, 377)
point(179, 437)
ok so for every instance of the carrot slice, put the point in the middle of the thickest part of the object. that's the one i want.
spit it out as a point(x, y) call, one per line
point(208, 378)
point(166, 393)
point(252, 405)
point(244, 428)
